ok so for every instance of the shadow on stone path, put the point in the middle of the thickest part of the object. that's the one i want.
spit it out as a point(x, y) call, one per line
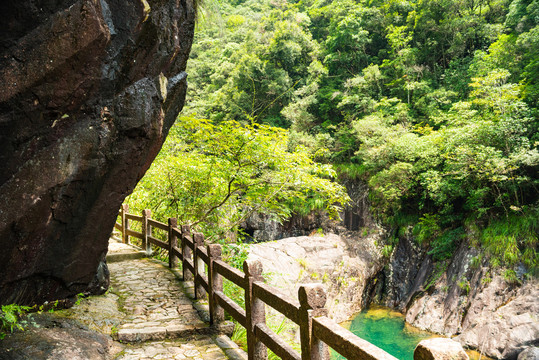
point(161, 321)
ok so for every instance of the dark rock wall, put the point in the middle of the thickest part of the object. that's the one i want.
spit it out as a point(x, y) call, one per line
point(89, 91)
point(355, 216)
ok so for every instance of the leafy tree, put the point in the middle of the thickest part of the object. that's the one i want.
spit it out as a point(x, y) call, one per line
point(216, 175)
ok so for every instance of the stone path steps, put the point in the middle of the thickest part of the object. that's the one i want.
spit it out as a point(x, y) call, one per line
point(121, 252)
point(156, 303)
point(196, 347)
point(161, 320)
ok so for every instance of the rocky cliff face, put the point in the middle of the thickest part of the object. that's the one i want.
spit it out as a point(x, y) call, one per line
point(89, 91)
point(463, 297)
point(355, 216)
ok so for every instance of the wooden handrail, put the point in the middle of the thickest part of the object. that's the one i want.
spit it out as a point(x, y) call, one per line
point(347, 344)
point(133, 217)
point(157, 224)
point(134, 233)
point(158, 242)
point(203, 264)
point(231, 307)
point(275, 343)
point(277, 300)
point(230, 273)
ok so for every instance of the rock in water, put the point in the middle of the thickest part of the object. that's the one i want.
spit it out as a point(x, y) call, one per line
point(531, 353)
point(89, 91)
point(439, 349)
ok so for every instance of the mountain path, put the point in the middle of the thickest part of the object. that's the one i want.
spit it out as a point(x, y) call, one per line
point(160, 319)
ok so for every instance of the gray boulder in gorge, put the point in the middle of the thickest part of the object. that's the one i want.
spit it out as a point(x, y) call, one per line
point(531, 353)
point(439, 349)
point(89, 91)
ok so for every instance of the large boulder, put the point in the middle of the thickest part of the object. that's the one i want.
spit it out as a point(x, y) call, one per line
point(344, 264)
point(439, 349)
point(531, 353)
point(505, 331)
point(89, 91)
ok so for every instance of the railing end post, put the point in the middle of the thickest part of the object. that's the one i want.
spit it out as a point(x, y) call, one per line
point(198, 241)
point(173, 222)
point(255, 310)
point(186, 252)
point(312, 299)
point(214, 251)
point(186, 230)
point(253, 269)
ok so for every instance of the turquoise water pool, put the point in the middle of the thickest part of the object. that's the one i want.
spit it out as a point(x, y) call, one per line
point(386, 329)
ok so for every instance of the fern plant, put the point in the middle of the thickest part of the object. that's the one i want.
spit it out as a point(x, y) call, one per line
point(9, 316)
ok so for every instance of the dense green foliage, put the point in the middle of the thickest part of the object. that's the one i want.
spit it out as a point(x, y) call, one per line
point(432, 103)
point(216, 175)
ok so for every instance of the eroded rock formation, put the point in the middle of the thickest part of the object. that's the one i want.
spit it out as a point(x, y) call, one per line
point(465, 298)
point(343, 263)
point(355, 216)
point(89, 91)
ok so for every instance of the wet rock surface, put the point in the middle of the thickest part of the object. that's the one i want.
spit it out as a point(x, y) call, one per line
point(90, 90)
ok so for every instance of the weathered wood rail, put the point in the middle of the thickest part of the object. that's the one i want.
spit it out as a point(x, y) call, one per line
point(203, 264)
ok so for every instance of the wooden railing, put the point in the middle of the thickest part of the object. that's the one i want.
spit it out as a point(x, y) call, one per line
point(203, 264)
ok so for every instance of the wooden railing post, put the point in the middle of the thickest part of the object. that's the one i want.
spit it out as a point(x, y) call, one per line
point(198, 240)
point(146, 231)
point(186, 252)
point(215, 281)
point(172, 243)
point(312, 298)
point(125, 223)
point(255, 310)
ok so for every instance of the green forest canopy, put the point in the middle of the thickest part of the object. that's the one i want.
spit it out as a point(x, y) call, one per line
point(432, 103)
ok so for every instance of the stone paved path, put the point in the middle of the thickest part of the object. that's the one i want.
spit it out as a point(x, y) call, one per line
point(161, 321)
point(196, 347)
point(157, 306)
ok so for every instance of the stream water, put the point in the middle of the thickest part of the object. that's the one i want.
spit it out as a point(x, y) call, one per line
point(387, 329)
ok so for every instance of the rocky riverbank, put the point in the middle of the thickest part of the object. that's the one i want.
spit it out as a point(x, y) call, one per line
point(462, 298)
